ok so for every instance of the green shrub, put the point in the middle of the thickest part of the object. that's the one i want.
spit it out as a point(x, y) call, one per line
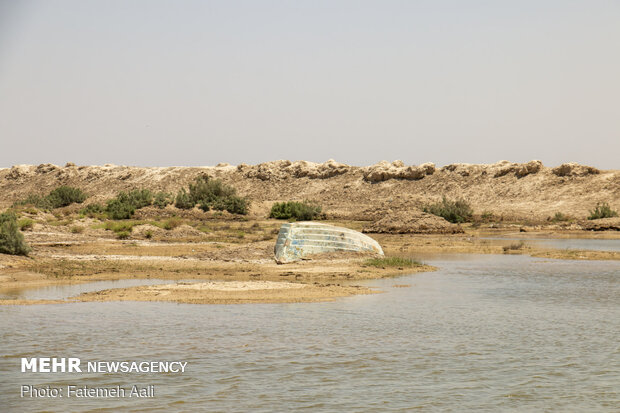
point(138, 198)
point(77, 230)
point(209, 194)
point(162, 200)
point(233, 204)
point(118, 209)
point(300, 211)
point(11, 240)
point(207, 190)
point(602, 211)
point(59, 197)
point(453, 211)
point(65, 195)
point(386, 262)
point(126, 203)
point(25, 223)
point(183, 200)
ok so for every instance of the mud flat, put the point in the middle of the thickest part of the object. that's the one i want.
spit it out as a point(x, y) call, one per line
point(229, 292)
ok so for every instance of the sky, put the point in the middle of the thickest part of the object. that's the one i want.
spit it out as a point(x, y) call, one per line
point(162, 82)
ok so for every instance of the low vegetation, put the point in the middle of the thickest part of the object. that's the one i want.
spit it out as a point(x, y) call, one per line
point(456, 211)
point(602, 210)
point(514, 246)
point(162, 200)
point(208, 193)
point(93, 211)
point(560, 217)
point(388, 262)
point(299, 211)
point(126, 203)
point(11, 239)
point(25, 224)
point(59, 197)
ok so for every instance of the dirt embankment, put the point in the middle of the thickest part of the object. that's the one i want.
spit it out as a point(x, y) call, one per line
point(508, 190)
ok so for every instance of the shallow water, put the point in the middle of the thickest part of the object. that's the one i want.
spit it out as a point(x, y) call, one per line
point(563, 243)
point(485, 333)
point(59, 292)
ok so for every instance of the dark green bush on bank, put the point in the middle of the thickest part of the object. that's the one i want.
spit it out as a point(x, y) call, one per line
point(300, 211)
point(59, 197)
point(126, 203)
point(209, 193)
point(453, 211)
point(11, 240)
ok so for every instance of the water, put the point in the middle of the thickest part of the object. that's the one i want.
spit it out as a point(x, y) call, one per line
point(564, 243)
point(59, 292)
point(485, 333)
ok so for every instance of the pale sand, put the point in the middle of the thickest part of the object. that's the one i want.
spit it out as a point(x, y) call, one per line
point(229, 292)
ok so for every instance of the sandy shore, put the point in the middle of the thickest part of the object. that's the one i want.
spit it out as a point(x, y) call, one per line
point(229, 292)
point(61, 257)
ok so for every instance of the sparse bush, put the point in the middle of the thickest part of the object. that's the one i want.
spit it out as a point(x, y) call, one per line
point(25, 224)
point(487, 216)
point(172, 223)
point(162, 200)
point(123, 235)
point(93, 210)
point(122, 226)
point(300, 211)
point(148, 234)
point(32, 199)
point(602, 210)
point(386, 262)
point(59, 197)
point(453, 211)
point(560, 217)
point(514, 246)
point(77, 230)
point(11, 240)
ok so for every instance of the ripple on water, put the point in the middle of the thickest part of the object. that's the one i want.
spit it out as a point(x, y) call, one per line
point(491, 333)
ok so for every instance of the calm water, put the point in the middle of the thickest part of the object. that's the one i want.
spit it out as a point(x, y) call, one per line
point(564, 243)
point(485, 334)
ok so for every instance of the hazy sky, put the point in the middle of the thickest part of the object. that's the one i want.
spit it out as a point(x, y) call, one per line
point(158, 82)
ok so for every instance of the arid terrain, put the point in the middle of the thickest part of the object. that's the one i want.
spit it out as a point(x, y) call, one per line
point(384, 200)
point(510, 191)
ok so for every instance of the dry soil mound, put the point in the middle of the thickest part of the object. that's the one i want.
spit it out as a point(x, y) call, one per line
point(604, 224)
point(412, 222)
point(148, 231)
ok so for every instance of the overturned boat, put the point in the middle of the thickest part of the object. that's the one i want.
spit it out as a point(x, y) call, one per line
point(298, 240)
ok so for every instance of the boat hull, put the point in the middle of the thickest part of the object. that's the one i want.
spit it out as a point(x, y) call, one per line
point(299, 240)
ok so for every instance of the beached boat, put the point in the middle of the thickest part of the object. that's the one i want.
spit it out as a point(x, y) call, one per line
point(298, 240)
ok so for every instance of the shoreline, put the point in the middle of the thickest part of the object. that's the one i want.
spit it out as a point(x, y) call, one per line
point(63, 258)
